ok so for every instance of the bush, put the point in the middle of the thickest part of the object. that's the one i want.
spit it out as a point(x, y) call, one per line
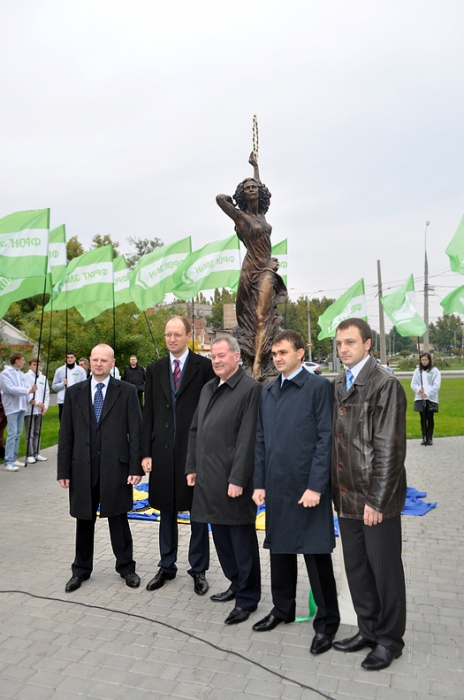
point(407, 364)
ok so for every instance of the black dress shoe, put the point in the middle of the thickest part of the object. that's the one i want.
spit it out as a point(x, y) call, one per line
point(200, 584)
point(237, 615)
point(380, 657)
point(267, 623)
point(429, 441)
point(223, 597)
point(159, 580)
point(132, 580)
point(353, 643)
point(321, 643)
point(75, 582)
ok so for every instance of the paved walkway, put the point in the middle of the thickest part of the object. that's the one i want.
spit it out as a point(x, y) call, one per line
point(93, 644)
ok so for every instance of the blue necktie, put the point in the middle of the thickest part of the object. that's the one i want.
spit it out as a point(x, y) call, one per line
point(349, 379)
point(98, 401)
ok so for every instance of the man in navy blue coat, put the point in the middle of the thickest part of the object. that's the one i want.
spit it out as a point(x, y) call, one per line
point(292, 475)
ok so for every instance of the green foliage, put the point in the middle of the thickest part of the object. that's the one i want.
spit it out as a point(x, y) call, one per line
point(295, 318)
point(216, 320)
point(142, 246)
point(446, 332)
point(407, 364)
point(448, 421)
point(74, 248)
point(49, 434)
point(98, 241)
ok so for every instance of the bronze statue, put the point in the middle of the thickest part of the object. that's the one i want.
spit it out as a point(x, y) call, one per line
point(260, 288)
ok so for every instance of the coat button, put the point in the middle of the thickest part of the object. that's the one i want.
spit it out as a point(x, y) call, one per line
point(166, 447)
point(168, 405)
point(340, 465)
point(166, 425)
point(342, 489)
point(342, 411)
point(339, 437)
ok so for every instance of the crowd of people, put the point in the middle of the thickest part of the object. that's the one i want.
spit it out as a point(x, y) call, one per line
point(215, 442)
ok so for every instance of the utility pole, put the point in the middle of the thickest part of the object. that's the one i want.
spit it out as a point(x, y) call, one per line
point(426, 292)
point(383, 349)
point(310, 353)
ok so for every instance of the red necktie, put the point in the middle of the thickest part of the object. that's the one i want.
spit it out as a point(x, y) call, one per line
point(176, 374)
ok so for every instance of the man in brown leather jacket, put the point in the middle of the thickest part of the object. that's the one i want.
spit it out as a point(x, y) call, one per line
point(369, 490)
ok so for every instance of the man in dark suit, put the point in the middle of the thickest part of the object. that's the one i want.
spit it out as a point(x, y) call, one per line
point(369, 490)
point(292, 475)
point(173, 387)
point(99, 461)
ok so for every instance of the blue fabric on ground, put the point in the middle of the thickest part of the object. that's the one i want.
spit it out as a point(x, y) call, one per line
point(413, 504)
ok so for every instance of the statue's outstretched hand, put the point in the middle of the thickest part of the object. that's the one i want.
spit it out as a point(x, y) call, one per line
point(252, 159)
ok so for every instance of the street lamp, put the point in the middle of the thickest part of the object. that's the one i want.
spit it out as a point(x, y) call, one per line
point(426, 292)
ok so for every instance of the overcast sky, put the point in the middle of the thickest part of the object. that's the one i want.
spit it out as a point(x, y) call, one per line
point(127, 118)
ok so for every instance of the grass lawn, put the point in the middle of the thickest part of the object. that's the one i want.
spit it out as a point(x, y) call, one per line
point(50, 429)
point(449, 421)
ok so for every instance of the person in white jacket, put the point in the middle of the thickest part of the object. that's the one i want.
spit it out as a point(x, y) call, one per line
point(36, 408)
point(67, 375)
point(425, 383)
point(15, 389)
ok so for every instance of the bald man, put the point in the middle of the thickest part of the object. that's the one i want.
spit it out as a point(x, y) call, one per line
point(99, 462)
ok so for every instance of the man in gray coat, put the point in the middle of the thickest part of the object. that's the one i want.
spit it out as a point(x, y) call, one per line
point(292, 475)
point(220, 464)
point(99, 462)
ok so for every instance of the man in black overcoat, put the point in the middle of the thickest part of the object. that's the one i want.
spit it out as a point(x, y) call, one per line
point(292, 475)
point(99, 462)
point(172, 390)
point(220, 464)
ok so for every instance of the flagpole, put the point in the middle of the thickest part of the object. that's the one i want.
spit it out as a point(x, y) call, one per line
point(426, 292)
point(29, 432)
point(152, 337)
point(383, 348)
point(114, 331)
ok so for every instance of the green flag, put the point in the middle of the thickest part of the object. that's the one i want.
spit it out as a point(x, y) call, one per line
point(121, 292)
point(454, 302)
point(16, 289)
point(217, 264)
point(279, 250)
point(24, 244)
point(152, 277)
point(88, 278)
point(400, 307)
point(352, 304)
point(455, 250)
point(57, 253)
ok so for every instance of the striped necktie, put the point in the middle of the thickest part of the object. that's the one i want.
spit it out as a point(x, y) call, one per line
point(176, 374)
point(349, 379)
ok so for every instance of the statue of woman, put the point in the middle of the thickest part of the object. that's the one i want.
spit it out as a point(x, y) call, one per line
point(260, 288)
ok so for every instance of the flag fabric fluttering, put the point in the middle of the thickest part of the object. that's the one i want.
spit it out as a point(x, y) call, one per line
point(121, 292)
point(279, 250)
point(88, 277)
point(455, 250)
point(24, 244)
point(57, 259)
point(400, 307)
point(453, 303)
point(217, 264)
point(152, 277)
point(16, 289)
point(352, 304)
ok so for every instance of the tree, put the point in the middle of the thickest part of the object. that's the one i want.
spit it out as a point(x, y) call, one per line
point(295, 318)
point(216, 320)
point(74, 248)
point(99, 241)
point(446, 332)
point(142, 246)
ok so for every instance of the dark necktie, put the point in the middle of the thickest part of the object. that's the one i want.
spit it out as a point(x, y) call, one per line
point(176, 374)
point(98, 401)
point(349, 379)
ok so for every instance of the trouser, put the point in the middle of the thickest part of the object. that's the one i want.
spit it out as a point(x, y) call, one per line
point(427, 423)
point(15, 428)
point(140, 398)
point(121, 541)
point(60, 411)
point(284, 574)
point(375, 574)
point(33, 442)
point(198, 554)
point(238, 554)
